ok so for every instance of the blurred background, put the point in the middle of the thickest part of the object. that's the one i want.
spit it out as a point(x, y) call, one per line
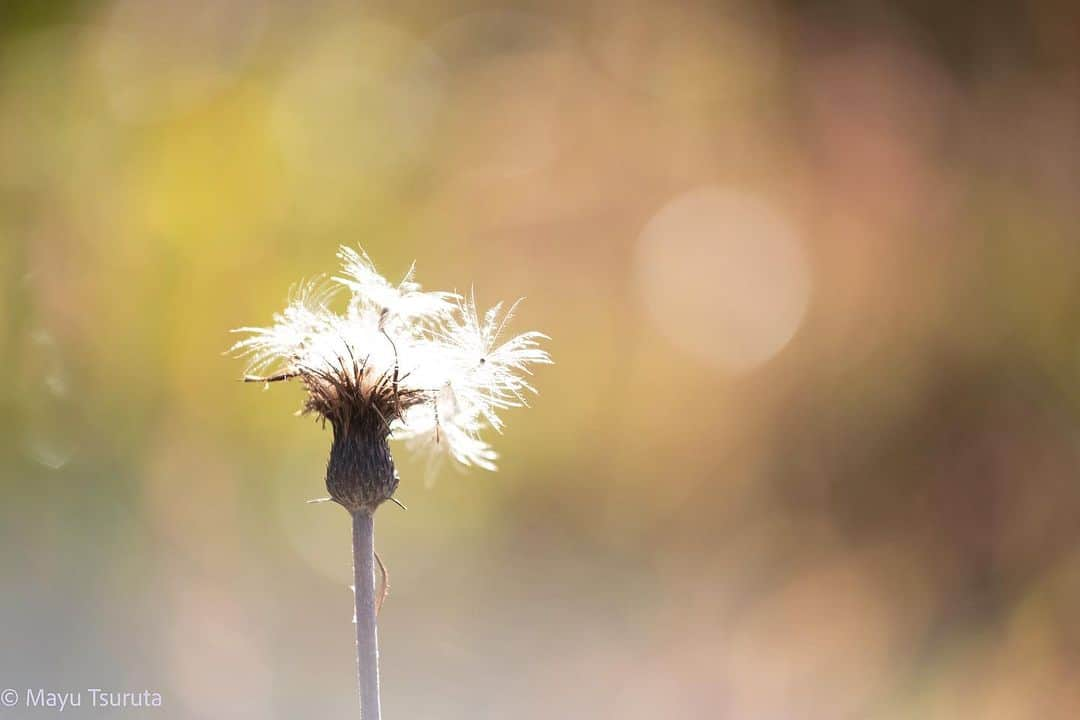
point(812, 277)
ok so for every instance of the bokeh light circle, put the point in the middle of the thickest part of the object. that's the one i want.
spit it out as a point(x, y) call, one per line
point(724, 276)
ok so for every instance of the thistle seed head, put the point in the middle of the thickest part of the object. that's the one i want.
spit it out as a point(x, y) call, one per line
point(399, 363)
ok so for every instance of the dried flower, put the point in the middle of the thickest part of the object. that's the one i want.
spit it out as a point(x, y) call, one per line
point(402, 363)
point(399, 363)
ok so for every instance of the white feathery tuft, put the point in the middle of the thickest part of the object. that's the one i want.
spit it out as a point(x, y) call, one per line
point(453, 375)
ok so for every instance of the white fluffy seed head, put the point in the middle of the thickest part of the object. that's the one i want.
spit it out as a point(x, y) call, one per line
point(432, 369)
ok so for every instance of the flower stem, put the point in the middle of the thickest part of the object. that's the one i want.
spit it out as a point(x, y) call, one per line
point(367, 640)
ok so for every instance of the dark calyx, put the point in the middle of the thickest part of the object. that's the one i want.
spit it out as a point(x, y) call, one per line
point(360, 474)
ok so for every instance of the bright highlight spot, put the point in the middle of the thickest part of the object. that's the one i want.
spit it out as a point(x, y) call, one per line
point(724, 276)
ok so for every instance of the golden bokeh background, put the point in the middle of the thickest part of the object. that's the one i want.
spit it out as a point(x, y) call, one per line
point(810, 447)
